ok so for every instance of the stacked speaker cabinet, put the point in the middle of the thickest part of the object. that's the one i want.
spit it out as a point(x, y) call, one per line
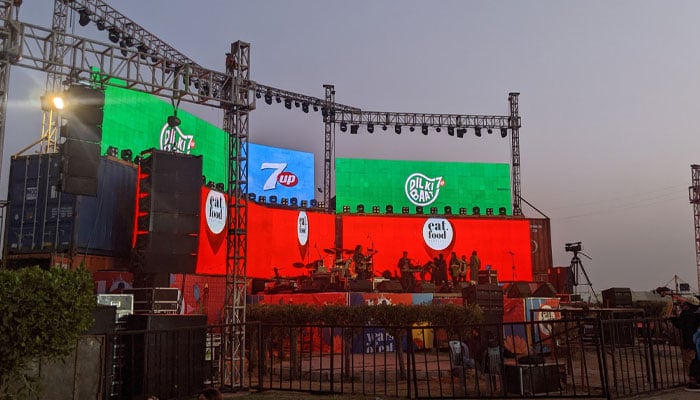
point(167, 221)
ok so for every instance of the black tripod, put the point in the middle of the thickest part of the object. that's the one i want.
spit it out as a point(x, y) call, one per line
point(576, 267)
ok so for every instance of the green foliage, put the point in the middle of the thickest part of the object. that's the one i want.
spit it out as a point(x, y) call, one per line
point(42, 312)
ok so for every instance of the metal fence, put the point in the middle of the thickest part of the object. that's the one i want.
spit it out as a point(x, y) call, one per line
point(588, 358)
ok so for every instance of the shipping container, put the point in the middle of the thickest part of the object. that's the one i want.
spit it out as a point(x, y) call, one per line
point(541, 247)
point(41, 219)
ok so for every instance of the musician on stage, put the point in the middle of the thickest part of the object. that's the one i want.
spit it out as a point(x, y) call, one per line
point(361, 263)
point(408, 281)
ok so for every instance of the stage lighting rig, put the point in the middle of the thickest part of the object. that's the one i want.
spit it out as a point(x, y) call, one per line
point(397, 129)
point(450, 130)
point(343, 127)
point(504, 132)
point(424, 129)
point(370, 128)
point(101, 25)
point(287, 104)
point(113, 35)
point(477, 131)
point(354, 129)
point(84, 18)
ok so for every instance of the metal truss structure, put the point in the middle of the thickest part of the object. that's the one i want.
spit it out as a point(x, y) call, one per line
point(694, 196)
point(138, 60)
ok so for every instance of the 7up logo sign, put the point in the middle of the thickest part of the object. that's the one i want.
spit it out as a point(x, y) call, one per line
point(172, 139)
point(422, 190)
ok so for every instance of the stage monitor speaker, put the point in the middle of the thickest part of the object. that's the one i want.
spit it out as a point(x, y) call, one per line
point(362, 285)
point(392, 286)
point(80, 163)
point(166, 356)
point(519, 290)
point(617, 297)
point(545, 289)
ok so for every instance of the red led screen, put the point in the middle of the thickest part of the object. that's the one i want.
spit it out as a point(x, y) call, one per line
point(211, 253)
point(500, 243)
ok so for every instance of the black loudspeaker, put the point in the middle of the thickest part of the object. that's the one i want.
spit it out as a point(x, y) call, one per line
point(169, 212)
point(392, 286)
point(489, 298)
point(532, 379)
point(425, 287)
point(362, 285)
point(80, 162)
point(617, 297)
point(562, 278)
point(519, 290)
point(166, 356)
point(545, 289)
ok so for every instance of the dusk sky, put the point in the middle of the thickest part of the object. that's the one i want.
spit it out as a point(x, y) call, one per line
point(608, 100)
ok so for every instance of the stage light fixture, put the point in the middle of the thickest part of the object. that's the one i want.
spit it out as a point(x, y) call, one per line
point(315, 108)
point(113, 35)
point(343, 127)
point(412, 128)
point(397, 129)
point(346, 209)
point(287, 104)
point(268, 98)
point(251, 196)
point(375, 209)
point(273, 199)
point(383, 127)
point(137, 160)
point(101, 25)
point(361, 208)
point(128, 41)
point(304, 204)
point(220, 186)
point(370, 128)
point(502, 211)
point(296, 104)
point(424, 129)
point(112, 151)
point(258, 95)
point(294, 201)
point(477, 131)
point(305, 107)
point(476, 211)
point(127, 154)
point(404, 210)
point(419, 209)
point(313, 202)
point(489, 211)
point(438, 129)
point(84, 17)
point(489, 131)
point(504, 132)
point(462, 211)
point(354, 128)
point(448, 210)
point(461, 132)
point(143, 50)
point(211, 184)
point(51, 101)
point(173, 121)
point(278, 99)
point(433, 210)
point(389, 209)
point(284, 201)
point(321, 204)
point(262, 199)
point(450, 131)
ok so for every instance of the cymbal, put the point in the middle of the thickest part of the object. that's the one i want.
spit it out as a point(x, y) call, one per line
point(298, 265)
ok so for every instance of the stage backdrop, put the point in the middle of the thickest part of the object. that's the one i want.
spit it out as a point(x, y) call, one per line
point(502, 243)
point(280, 172)
point(421, 183)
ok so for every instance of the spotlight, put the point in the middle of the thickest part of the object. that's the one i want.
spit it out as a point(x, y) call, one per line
point(419, 209)
point(476, 211)
point(258, 95)
point(313, 202)
point(433, 210)
point(211, 184)
point(477, 131)
point(101, 25)
point(346, 209)
point(412, 128)
point(305, 107)
point(504, 132)
point(489, 131)
point(375, 209)
point(127, 154)
point(273, 199)
point(262, 199)
point(450, 131)
point(489, 211)
point(278, 99)
point(173, 121)
point(315, 108)
point(502, 211)
point(112, 151)
point(397, 129)
point(296, 104)
point(304, 204)
point(251, 196)
point(128, 41)
point(287, 104)
point(404, 210)
point(220, 186)
point(361, 208)
point(84, 17)
point(448, 210)
point(461, 132)
point(142, 49)
point(284, 201)
point(354, 128)
point(462, 211)
point(424, 129)
point(137, 160)
point(268, 98)
point(438, 129)
point(383, 127)
point(321, 204)
point(293, 201)
point(113, 35)
point(343, 127)
point(370, 128)
point(389, 209)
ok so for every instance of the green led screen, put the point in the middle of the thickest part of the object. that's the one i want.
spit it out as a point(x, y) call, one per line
point(137, 121)
point(422, 183)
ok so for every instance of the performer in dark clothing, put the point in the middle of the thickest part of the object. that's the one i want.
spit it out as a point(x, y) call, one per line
point(359, 260)
point(454, 268)
point(688, 322)
point(441, 270)
point(408, 281)
point(474, 266)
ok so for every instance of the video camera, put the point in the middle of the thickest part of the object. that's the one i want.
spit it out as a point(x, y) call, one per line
point(573, 247)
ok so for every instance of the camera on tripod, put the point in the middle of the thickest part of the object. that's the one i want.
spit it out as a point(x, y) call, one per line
point(573, 247)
